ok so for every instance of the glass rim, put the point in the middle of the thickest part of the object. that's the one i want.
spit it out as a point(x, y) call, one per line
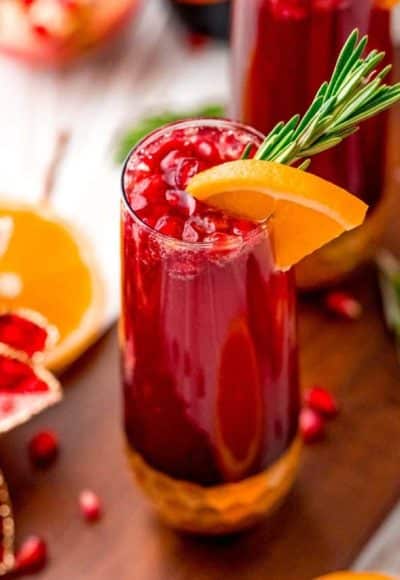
point(235, 241)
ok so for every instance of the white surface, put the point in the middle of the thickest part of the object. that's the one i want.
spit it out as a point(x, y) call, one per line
point(94, 101)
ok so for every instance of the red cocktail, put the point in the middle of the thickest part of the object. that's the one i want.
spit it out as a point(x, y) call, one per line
point(283, 50)
point(208, 324)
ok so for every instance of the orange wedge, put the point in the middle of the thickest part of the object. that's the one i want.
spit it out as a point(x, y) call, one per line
point(46, 266)
point(356, 576)
point(305, 212)
point(386, 4)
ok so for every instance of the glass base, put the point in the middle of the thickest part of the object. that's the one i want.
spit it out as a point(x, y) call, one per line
point(221, 509)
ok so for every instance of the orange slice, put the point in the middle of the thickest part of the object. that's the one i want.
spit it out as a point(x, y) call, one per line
point(386, 4)
point(46, 266)
point(305, 211)
point(356, 576)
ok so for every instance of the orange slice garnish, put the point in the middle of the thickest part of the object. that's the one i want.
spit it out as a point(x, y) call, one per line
point(46, 266)
point(386, 4)
point(356, 576)
point(305, 211)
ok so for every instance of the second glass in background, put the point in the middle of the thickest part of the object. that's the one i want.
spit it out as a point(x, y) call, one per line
point(283, 50)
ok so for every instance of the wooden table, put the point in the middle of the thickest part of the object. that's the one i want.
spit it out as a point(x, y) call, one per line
point(346, 487)
point(347, 484)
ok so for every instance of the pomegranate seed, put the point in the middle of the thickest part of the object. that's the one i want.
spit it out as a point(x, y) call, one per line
point(321, 401)
point(90, 505)
point(312, 426)
point(169, 226)
point(184, 171)
point(181, 200)
point(207, 151)
point(203, 225)
point(189, 233)
point(170, 160)
point(27, 3)
point(43, 448)
point(41, 31)
point(344, 305)
point(32, 555)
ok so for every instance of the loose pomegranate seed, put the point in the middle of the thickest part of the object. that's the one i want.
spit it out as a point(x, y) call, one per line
point(90, 505)
point(43, 448)
point(312, 426)
point(343, 305)
point(321, 401)
point(41, 31)
point(32, 555)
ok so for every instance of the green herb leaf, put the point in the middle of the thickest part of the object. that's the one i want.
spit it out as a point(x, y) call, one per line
point(145, 126)
point(354, 93)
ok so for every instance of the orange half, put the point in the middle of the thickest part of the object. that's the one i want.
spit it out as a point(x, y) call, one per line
point(305, 212)
point(47, 266)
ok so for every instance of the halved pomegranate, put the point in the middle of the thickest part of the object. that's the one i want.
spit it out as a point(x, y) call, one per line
point(27, 387)
point(51, 32)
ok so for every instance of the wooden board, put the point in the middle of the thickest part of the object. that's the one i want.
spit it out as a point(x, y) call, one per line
point(347, 484)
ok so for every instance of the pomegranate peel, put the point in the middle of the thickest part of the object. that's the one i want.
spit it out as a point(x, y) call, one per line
point(30, 385)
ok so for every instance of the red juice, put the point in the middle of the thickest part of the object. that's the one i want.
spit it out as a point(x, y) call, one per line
point(283, 50)
point(208, 328)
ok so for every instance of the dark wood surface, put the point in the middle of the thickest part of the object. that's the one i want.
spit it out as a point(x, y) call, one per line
point(348, 483)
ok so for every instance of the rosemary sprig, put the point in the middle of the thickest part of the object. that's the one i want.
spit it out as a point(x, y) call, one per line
point(354, 93)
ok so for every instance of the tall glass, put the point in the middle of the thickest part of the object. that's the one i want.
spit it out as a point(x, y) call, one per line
point(208, 339)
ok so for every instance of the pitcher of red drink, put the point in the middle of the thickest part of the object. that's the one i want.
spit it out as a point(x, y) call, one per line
point(283, 50)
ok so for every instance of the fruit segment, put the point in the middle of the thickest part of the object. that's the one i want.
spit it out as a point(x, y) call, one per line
point(305, 211)
point(62, 284)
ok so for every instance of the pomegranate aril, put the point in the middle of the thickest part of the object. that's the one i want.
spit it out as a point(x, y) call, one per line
point(138, 202)
point(185, 170)
point(219, 238)
point(203, 224)
point(22, 334)
point(181, 201)
point(312, 426)
point(169, 226)
point(207, 151)
point(32, 555)
point(170, 160)
point(230, 147)
point(189, 234)
point(41, 31)
point(90, 505)
point(343, 305)
point(321, 401)
point(43, 448)
point(241, 227)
